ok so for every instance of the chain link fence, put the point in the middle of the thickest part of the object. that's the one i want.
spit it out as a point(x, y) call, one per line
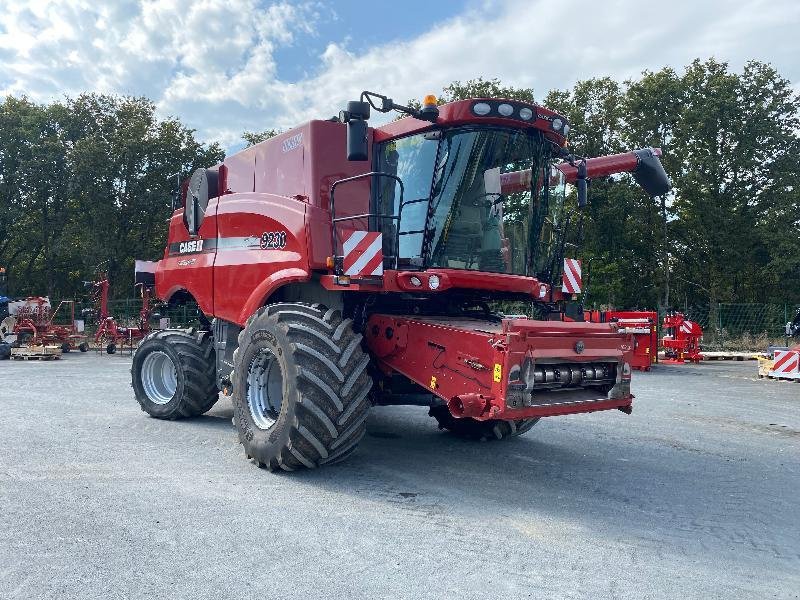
point(741, 327)
point(126, 313)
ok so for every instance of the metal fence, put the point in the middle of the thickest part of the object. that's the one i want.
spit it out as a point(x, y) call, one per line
point(742, 326)
point(126, 312)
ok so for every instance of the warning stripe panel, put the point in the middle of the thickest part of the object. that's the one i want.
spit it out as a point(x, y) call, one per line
point(571, 277)
point(363, 253)
point(786, 361)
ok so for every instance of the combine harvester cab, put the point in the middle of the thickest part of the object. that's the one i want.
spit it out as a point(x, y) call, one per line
point(338, 266)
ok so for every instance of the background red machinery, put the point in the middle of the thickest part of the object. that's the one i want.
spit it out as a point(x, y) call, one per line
point(32, 322)
point(641, 326)
point(111, 334)
point(681, 339)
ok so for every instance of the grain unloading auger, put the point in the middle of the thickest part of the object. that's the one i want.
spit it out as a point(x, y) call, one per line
point(330, 281)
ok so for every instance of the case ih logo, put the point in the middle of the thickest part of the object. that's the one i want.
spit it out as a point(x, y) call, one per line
point(293, 142)
point(189, 247)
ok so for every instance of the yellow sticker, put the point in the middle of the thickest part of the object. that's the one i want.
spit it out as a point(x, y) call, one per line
point(498, 372)
point(433, 382)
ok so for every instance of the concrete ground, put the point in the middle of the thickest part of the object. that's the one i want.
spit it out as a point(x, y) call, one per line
point(695, 495)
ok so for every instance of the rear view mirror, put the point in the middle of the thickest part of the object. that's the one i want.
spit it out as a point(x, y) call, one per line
point(582, 184)
point(650, 173)
point(356, 117)
point(357, 146)
point(203, 186)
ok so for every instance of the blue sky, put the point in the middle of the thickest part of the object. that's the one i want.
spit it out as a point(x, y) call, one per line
point(364, 25)
point(226, 66)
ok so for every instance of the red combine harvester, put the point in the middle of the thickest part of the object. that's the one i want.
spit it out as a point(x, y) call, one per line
point(31, 322)
point(681, 339)
point(641, 326)
point(333, 281)
point(110, 334)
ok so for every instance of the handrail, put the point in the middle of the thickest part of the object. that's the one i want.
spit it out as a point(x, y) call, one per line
point(335, 219)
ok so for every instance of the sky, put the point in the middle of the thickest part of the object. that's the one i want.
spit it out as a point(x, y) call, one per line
point(228, 66)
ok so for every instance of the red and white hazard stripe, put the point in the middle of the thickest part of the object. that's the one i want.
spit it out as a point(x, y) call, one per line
point(787, 362)
point(686, 327)
point(571, 279)
point(363, 253)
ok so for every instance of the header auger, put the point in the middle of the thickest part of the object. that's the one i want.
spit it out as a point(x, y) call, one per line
point(339, 266)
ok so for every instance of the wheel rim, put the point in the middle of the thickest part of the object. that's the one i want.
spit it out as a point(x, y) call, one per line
point(159, 377)
point(264, 389)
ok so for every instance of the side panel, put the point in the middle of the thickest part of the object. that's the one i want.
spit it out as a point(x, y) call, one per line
point(262, 244)
point(188, 260)
point(326, 163)
point(279, 164)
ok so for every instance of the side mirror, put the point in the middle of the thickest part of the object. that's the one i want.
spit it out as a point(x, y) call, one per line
point(650, 173)
point(356, 117)
point(357, 147)
point(203, 186)
point(582, 184)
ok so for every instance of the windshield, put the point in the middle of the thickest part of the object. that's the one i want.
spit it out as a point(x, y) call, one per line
point(466, 220)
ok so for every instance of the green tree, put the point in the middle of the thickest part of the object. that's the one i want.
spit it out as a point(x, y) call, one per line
point(252, 138)
point(87, 182)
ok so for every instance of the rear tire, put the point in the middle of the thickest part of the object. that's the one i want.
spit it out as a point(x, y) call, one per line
point(65, 347)
point(83, 347)
point(111, 348)
point(300, 387)
point(492, 429)
point(174, 374)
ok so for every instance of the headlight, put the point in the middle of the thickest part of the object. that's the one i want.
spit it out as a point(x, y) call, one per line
point(505, 110)
point(433, 282)
point(481, 109)
point(525, 113)
point(415, 281)
point(557, 123)
point(566, 130)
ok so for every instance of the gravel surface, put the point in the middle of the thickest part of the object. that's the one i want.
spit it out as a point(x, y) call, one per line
point(695, 495)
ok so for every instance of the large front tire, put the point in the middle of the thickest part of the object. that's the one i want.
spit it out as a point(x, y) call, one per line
point(174, 374)
point(300, 387)
point(492, 429)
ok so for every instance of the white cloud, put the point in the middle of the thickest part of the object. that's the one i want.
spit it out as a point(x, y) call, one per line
point(212, 62)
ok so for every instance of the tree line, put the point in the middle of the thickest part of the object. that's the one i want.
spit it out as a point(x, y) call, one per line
point(87, 182)
point(85, 187)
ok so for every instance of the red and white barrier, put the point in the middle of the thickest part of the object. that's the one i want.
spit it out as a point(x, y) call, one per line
point(363, 254)
point(787, 364)
point(571, 278)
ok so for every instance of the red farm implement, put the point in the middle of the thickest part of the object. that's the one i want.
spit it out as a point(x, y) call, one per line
point(681, 339)
point(110, 335)
point(641, 326)
point(33, 322)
